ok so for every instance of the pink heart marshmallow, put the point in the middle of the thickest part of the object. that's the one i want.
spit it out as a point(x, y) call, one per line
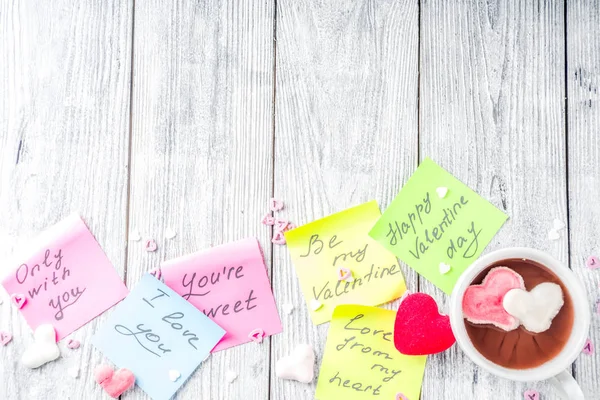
point(482, 304)
point(114, 382)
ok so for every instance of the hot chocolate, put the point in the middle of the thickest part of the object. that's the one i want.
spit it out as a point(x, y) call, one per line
point(520, 348)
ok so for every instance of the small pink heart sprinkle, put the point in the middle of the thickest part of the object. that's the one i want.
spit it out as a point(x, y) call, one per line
point(151, 245)
point(531, 394)
point(268, 219)
point(344, 273)
point(278, 238)
point(5, 337)
point(290, 226)
point(400, 396)
point(592, 262)
point(588, 348)
point(257, 335)
point(275, 205)
point(156, 272)
point(281, 224)
point(18, 300)
point(73, 344)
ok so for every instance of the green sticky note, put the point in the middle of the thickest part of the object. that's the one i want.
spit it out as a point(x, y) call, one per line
point(425, 228)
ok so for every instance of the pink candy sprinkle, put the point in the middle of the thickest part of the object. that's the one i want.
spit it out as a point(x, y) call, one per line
point(278, 238)
point(592, 262)
point(18, 300)
point(281, 224)
point(73, 344)
point(151, 245)
point(531, 394)
point(400, 396)
point(588, 348)
point(268, 219)
point(5, 338)
point(257, 335)
point(275, 205)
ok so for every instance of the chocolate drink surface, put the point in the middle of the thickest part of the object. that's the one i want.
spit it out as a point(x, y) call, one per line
point(521, 349)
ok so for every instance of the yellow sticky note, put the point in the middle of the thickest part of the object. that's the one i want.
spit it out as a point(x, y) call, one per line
point(360, 360)
point(320, 248)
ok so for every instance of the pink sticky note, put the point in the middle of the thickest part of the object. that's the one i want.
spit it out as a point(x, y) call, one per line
point(66, 278)
point(229, 284)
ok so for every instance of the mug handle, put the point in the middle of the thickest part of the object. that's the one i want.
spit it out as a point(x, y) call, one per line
point(567, 386)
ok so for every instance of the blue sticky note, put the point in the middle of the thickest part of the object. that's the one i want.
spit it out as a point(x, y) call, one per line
point(154, 331)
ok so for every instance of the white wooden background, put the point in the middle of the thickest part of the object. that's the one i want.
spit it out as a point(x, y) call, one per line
point(192, 114)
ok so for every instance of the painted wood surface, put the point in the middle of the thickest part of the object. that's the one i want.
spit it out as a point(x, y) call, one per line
point(201, 160)
point(190, 115)
point(583, 92)
point(345, 130)
point(492, 112)
point(64, 143)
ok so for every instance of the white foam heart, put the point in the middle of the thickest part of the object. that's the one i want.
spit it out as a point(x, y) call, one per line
point(553, 235)
point(298, 366)
point(73, 372)
point(315, 304)
point(135, 236)
point(558, 224)
point(43, 349)
point(231, 376)
point(287, 308)
point(442, 192)
point(170, 233)
point(537, 308)
point(444, 268)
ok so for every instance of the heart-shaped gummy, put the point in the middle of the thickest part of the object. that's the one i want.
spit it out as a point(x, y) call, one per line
point(419, 328)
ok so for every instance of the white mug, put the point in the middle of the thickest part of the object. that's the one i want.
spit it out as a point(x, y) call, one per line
point(553, 370)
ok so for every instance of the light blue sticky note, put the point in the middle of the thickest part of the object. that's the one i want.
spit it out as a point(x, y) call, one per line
point(154, 331)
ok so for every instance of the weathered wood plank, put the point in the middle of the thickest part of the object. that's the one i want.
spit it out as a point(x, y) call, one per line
point(345, 130)
point(202, 150)
point(492, 112)
point(64, 134)
point(583, 89)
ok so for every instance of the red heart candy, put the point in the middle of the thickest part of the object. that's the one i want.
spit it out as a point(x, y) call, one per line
point(419, 328)
point(114, 382)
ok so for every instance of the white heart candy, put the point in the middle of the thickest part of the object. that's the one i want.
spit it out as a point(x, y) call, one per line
point(444, 268)
point(315, 304)
point(298, 366)
point(537, 308)
point(135, 236)
point(287, 308)
point(558, 224)
point(43, 349)
point(73, 372)
point(174, 375)
point(231, 376)
point(442, 192)
point(553, 235)
point(170, 233)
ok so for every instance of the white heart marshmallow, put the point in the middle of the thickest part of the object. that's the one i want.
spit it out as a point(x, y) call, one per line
point(537, 308)
point(298, 366)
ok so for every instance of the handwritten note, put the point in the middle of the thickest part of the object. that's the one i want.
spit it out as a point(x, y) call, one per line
point(320, 248)
point(424, 229)
point(360, 360)
point(154, 331)
point(229, 284)
point(65, 277)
